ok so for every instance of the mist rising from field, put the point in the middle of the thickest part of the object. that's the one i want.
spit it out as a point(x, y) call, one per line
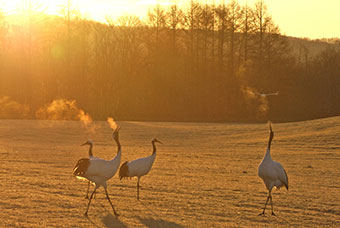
point(11, 109)
point(112, 123)
point(58, 109)
point(62, 109)
point(253, 99)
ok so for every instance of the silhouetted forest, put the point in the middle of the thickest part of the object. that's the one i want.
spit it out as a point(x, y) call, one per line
point(200, 63)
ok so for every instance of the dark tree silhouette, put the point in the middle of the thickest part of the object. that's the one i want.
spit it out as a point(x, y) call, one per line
point(202, 62)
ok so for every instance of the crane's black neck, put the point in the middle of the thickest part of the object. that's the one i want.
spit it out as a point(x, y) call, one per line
point(154, 147)
point(271, 136)
point(118, 144)
point(90, 151)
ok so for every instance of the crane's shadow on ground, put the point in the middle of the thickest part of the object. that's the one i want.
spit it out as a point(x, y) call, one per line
point(109, 221)
point(155, 223)
point(112, 221)
point(147, 208)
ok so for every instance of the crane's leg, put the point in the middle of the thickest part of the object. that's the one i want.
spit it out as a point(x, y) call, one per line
point(271, 203)
point(265, 206)
point(88, 205)
point(88, 189)
point(264, 209)
point(138, 188)
point(108, 198)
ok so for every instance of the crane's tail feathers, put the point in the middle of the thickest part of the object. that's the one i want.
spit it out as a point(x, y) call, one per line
point(286, 185)
point(124, 170)
point(81, 167)
point(284, 182)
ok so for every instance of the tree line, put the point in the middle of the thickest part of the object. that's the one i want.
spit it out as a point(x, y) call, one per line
point(203, 62)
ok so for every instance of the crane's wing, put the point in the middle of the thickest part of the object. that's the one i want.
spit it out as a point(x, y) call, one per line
point(99, 167)
point(281, 174)
point(272, 94)
point(104, 168)
point(124, 170)
point(286, 183)
point(81, 167)
point(141, 166)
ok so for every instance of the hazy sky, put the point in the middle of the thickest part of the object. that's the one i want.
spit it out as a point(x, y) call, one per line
point(306, 18)
point(300, 18)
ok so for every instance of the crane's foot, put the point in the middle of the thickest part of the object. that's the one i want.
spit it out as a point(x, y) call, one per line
point(86, 197)
point(116, 214)
point(273, 213)
point(261, 214)
point(85, 214)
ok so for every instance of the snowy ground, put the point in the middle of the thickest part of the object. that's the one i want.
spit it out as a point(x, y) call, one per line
point(205, 175)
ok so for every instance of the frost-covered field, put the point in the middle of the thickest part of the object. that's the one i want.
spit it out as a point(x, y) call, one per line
point(205, 175)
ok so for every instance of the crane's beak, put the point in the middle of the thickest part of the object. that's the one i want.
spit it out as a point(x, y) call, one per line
point(83, 144)
point(159, 141)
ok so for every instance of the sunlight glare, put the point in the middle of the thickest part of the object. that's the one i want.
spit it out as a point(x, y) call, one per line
point(18, 10)
point(11, 7)
point(19, 6)
point(295, 18)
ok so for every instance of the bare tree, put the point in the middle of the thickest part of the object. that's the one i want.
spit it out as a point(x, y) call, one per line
point(221, 14)
point(174, 17)
point(234, 22)
point(3, 41)
point(207, 25)
point(157, 21)
point(245, 29)
point(264, 29)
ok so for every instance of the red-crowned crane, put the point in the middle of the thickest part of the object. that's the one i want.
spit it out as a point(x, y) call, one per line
point(272, 173)
point(267, 94)
point(139, 167)
point(98, 170)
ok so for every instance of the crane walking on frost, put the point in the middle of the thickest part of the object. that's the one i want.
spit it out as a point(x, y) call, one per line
point(272, 173)
point(98, 170)
point(139, 167)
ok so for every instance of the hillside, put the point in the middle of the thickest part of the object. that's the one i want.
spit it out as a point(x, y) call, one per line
point(303, 48)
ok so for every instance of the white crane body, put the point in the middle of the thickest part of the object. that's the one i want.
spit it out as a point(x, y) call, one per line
point(272, 173)
point(101, 170)
point(93, 158)
point(141, 166)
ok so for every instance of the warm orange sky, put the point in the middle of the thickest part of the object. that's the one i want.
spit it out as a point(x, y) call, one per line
point(300, 18)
